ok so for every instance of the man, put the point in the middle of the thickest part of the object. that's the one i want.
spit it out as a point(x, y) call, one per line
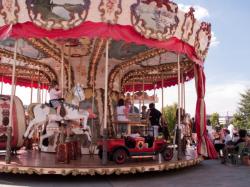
point(154, 118)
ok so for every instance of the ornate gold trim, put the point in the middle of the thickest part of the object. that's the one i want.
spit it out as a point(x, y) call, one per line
point(26, 73)
point(108, 170)
point(134, 60)
point(96, 55)
point(55, 53)
point(30, 61)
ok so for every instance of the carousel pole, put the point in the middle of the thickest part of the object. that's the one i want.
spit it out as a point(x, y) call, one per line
point(46, 95)
point(184, 96)
point(154, 92)
point(31, 91)
point(2, 85)
point(15, 86)
point(182, 91)
point(179, 109)
point(133, 97)
point(93, 104)
point(38, 87)
point(162, 94)
point(105, 132)
point(162, 86)
point(9, 128)
point(120, 85)
point(42, 92)
point(62, 69)
point(143, 90)
point(69, 70)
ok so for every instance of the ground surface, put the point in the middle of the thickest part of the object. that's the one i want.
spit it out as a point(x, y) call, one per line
point(209, 173)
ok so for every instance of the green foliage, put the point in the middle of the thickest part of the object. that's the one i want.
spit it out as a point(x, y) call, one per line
point(214, 118)
point(169, 115)
point(238, 120)
point(242, 117)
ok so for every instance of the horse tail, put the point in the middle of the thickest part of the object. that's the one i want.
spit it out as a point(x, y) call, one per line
point(63, 111)
point(31, 111)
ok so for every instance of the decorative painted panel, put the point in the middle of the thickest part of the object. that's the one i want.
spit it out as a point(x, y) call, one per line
point(56, 14)
point(155, 18)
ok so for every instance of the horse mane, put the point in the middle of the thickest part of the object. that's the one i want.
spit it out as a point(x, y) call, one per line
point(30, 110)
point(76, 107)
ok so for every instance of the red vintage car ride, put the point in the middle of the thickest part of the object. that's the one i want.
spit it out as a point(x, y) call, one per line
point(119, 150)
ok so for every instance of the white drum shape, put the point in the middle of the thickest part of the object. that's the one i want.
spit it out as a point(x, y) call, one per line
point(18, 122)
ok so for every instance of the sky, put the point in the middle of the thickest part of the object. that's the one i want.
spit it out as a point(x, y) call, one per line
point(227, 64)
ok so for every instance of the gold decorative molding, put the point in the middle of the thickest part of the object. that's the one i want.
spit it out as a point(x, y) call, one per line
point(96, 55)
point(156, 73)
point(107, 170)
point(134, 60)
point(26, 73)
point(29, 61)
point(54, 53)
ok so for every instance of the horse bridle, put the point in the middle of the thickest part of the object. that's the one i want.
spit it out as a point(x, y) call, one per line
point(78, 93)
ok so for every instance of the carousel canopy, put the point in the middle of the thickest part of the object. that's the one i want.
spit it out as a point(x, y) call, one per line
point(145, 38)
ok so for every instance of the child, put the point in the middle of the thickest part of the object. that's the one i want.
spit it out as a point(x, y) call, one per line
point(144, 113)
point(55, 96)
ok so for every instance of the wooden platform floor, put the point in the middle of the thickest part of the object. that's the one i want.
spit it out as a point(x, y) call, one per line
point(45, 163)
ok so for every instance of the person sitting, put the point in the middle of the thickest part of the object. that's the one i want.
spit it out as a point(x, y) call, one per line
point(131, 108)
point(243, 138)
point(55, 96)
point(235, 147)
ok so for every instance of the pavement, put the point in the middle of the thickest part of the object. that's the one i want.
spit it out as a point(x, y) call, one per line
point(209, 173)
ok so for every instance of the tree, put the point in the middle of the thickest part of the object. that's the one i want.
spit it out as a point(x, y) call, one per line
point(242, 117)
point(214, 118)
point(169, 115)
point(238, 120)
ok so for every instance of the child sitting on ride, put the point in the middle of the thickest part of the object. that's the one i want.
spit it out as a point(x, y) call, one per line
point(55, 96)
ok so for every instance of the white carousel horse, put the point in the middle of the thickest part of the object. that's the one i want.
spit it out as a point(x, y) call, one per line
point(42, 113)
point(52, 128)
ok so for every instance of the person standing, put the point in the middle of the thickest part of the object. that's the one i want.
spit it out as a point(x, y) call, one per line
point(154, 118)
point(122, 117)
point(231, 130)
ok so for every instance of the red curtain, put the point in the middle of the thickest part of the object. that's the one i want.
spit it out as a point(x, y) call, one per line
point(205, 146)
point(23, 82)
point(100, 29)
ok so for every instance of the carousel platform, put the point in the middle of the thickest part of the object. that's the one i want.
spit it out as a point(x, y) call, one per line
point(35, 162)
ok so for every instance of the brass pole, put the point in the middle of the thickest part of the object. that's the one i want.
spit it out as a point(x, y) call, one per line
point(9, 128)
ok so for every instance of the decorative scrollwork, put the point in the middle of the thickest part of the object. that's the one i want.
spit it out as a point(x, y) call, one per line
point(110, 10)
point(188, 25)
point(9, 10)
point(202, 40)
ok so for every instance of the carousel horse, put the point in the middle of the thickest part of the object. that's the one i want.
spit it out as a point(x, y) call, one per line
point(80, 130)
point(42, 114)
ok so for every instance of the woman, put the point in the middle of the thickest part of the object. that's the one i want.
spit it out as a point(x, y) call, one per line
point(122, 116)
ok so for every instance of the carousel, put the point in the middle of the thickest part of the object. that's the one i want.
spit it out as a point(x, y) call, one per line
point(97, 51)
